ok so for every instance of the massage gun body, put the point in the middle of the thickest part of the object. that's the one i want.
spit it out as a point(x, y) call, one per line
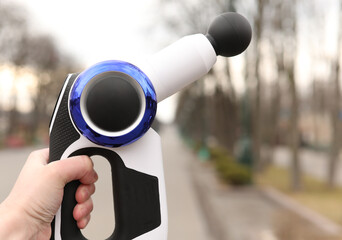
point(108, 109)
point(137, 172)
point(138, 178)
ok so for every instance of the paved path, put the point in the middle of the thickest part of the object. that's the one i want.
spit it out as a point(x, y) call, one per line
point(11, 162)
point(235, 214)
point(186, 218)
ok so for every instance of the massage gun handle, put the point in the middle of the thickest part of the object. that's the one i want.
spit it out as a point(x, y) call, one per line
point(136, 195)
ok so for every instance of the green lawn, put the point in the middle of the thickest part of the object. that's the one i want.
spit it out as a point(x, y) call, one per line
point(314, 193)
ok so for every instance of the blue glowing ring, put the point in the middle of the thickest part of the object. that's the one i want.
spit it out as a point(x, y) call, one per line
point(118, 66)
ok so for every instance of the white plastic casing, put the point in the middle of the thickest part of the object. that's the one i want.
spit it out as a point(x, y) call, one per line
point(179, 64)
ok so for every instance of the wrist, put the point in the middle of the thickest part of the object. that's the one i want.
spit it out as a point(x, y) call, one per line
point(12, 223)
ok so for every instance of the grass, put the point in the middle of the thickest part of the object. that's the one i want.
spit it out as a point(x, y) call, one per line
point(314, 193)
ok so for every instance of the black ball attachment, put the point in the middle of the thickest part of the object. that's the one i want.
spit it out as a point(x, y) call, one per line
point(230, 34)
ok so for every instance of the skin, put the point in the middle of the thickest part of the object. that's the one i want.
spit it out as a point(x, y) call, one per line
point(29, 209)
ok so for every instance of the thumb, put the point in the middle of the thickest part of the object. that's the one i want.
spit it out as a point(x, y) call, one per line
point(75, 168)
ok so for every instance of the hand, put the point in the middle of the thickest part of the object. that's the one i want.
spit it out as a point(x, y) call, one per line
point(37, 195)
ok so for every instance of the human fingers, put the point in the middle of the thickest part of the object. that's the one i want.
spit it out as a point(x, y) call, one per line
point(82, 210)
point(84, 192)
point(39, 156)
point(74, 168)
point(82, 223)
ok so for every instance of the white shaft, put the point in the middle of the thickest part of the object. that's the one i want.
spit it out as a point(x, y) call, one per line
point(179, 64)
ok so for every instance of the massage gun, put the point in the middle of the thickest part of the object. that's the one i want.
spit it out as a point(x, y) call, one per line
point(108, 109)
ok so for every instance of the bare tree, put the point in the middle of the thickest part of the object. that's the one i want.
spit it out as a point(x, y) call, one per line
point(38, 52)
point(13, 49)
point(13, 32)
point(44, 58)
point(290, 9)
point(258, 29)
point(335, 109)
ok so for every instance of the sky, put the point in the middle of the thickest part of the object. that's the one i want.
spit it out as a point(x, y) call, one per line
point(94, 31)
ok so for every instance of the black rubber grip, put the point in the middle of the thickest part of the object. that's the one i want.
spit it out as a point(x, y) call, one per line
point(63, 132)
point(136, 198)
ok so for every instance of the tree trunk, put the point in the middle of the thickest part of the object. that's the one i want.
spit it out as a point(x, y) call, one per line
point(257, 108)
point(336, 135)
point(294, 134)
point(335, 111)
point(13, 113)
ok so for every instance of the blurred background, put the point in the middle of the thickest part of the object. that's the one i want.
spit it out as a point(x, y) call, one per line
point(251, 151)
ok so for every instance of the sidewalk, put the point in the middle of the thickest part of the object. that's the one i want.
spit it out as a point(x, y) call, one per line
point(186, 218)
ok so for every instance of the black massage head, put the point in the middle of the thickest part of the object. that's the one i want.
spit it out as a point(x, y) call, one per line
point(230, 34)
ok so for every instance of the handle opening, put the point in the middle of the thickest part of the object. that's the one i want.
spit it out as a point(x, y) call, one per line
point(102, 222)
